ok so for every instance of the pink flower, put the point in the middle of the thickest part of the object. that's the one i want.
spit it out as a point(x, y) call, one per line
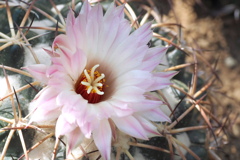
point(98, 79)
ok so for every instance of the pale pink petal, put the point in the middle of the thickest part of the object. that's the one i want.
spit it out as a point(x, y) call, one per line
point(156, 115)
point(62, 41)
point(44, 105)
point(145, 105)
point(78, 111)
point(70, 27)
point(78, 64)
point(128, 55)
point(87, 129)
point(153, 58)
point(80, 28)
point(63, 126)
point(85, 9)
point(109, 30)
point(131, 126)
point(74, 138)
point(41, 114)
point(134, 78)
point(46, 97)
point(70, 130)
point(51, 53)
point(38, 71)
point(102, 138)
point(61, 81)
point(150, 128)
point(122, 112)
point(55, 67)
point(143, 34)
point(129, 94)
point(88, 121)
point(123, 51)
point(51, 70)
point(114, 11)
point(161, 80)
point(112, 29)
point(93, 27)
point(102, 110)
point(113, 23)
point(72, 103)
point(121, 109)
point(71, 64)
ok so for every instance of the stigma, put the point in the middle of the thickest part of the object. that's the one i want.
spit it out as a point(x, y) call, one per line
point(91, 85)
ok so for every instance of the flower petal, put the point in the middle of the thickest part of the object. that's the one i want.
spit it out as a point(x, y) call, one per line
point(74, 138)
point(156, 115)
point(77, 64)
point(102, 138)
point(69, 27)
point(38, 71)
point(131, 126)
point(45, 105)
point(63, 126)
point(121, 109)
point(143, 34)
point(145, 105)
point(62, 41)
point(151, 130)
point(161, 80)
point(129, 94)
point(153, 58)
point(134, 78)
point(73, 104)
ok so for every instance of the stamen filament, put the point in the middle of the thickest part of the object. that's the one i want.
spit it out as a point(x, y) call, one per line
point(99, 78)
point(87, 76)
point(85, 83)
point(92, 84)
point(99, 84)
point(93, 70)
point(89, 89)
point(98, 91)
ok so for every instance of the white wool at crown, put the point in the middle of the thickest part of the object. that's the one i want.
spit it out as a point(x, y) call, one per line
point(42, 55)
point(138, 155)
point(14, 81)
point(43, 151)
point(41, 23)
point(182, 137)
point(171, 99)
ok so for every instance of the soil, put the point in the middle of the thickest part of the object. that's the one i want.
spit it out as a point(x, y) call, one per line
point(212, 27)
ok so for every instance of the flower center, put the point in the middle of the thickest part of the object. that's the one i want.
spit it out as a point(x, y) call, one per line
point(91, 84)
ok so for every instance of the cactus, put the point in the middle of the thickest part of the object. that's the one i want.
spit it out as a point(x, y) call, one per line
point(27, 27)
